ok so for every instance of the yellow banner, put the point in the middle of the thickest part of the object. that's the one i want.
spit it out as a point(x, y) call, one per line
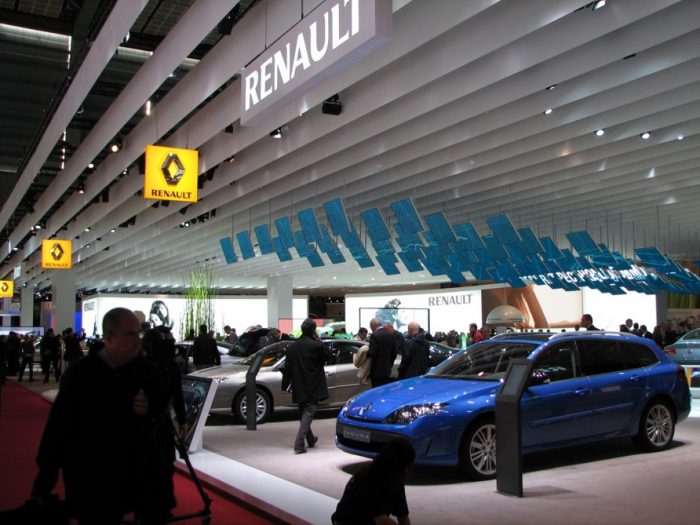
point(56, 255)
point(7, 288)
point(171, 174)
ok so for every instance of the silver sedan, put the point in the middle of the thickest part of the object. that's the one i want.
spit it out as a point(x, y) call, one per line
point(341, 376)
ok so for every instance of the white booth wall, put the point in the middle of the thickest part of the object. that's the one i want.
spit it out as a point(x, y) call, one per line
point(239, 312)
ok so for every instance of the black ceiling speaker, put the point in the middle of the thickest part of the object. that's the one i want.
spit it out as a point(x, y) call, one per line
point(332, 106)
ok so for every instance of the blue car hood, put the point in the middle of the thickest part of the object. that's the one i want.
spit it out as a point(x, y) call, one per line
point(378, 403)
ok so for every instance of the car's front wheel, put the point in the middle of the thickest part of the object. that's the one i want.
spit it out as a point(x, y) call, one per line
point(263, 406)
point(656, 427)
point(477, 453)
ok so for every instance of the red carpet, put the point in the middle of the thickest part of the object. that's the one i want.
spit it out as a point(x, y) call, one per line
point(22, 417)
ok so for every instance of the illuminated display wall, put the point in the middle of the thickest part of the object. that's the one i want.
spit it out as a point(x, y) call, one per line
point(238, 312)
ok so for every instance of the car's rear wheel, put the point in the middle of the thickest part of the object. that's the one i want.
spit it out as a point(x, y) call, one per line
point(263, 406)
point(477, 453)
point(656, 427)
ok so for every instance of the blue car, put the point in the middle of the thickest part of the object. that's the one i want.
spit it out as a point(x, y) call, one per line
point(585, 386)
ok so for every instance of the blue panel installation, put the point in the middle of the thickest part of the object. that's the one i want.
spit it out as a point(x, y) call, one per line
point(245, 244)
point(442, 231)
point(284, 231)
point(583, 243)
point(227, 248)
point(337, 219)
point(262, 234)
point(281, 250)
point(309, 225)
point(503, 229)
point(405, 212)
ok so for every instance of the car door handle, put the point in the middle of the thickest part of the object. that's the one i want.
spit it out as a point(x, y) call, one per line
point(636, 379)
point(582, 391)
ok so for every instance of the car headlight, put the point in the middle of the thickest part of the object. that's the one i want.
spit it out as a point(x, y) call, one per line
point(409, 413)
point(347, 404)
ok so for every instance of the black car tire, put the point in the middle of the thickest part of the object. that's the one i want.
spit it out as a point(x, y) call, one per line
point(656, 427)
point(263, 408)
point(477, 452)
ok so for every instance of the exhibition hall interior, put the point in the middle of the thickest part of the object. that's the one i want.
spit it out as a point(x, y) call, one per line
point(507, 189)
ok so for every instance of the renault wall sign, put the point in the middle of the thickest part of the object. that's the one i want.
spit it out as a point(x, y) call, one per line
point(7, 288)
point(333, 36)
point(56, 255)
point(171, 174)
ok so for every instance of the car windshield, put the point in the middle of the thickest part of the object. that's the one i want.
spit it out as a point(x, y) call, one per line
point(693, 335)
point(485, 361)
point(271, 355)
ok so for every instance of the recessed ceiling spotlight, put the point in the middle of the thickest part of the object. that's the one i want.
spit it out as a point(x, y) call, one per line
point(645, 135)
point(87, 228)
point(548, 111)
point(598, 4)
point(680, 137)
point(81, 188)
point(600, 132)
point(113, 230)
point(276, 133)
point(87, 245)
point(91, 165)
point(550, 88)
point(115, 146)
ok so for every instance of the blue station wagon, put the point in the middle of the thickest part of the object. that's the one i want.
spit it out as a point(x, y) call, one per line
point(585, 386)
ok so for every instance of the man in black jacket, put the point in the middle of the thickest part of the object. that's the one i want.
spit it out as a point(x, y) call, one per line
point(304, 368)
point(384, 346)
point(205, 353)
point(416, 357)
point(100, 432)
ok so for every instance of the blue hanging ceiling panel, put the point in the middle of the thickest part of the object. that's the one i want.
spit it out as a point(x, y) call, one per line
point(227, 248)
point(531, 245)
point(284, 231)
point(568, 262)
point(377, 231)
point(329, 247)
point(503, 230)
point(442, 231)
point(357, 250)
point(406, 214)
point(245, 244)
point(551, 251)
point(262, 234)
point(583, 243)
point(309, 225)
point(467, 233)
point(281, 250)
point(411, 264)
point(494, 248)
point(337, 219)
point(387, 261)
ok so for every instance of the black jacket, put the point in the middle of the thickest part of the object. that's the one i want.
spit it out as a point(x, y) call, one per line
point(416, 356)
point(304, 367)
point(205, 351)
point(383, 349)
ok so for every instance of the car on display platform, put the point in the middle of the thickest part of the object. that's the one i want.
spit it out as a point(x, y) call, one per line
point(686, 351)
point(341, 376)
point(585, 386)
point(226, 351)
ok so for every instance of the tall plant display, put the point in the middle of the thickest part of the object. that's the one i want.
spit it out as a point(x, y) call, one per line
point(199, 306)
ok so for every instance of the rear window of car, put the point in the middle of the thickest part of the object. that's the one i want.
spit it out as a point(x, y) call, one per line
point(486, 361)
point(637, 356)
point(599, 356)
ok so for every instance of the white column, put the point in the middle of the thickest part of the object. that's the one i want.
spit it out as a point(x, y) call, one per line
point(6, 305)
point(279, 299)
point(27, 307)
point(64, 299)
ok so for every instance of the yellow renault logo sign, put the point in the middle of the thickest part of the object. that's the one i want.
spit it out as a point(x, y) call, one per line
point(7, 288)
point(171, 174)
point(56, 255)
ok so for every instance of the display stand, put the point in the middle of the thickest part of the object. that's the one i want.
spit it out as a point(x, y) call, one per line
point(250, 392)
point(509, 468)
point(198, 393)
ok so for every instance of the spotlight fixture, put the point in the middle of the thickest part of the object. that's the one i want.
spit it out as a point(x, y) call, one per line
point(276, 134)
point(645, 135)
point(113, 230)
point(91, 165)
point(548, 111)
point(87, 245)
point(187, 224)
point(38, 226)
point(600, 132)
point(81, 188)
point(680, 137)
point(15, 249)
point(87, 228)
point(598, 4)
point(550, 88)
point(332, 106)
point(115, 146)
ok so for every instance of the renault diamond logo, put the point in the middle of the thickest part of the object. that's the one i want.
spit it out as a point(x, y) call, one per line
point(364, 409)
point(4, 287)
point(170, 178)
point(56, 252)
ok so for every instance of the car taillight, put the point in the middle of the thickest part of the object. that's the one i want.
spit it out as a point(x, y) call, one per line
point(670, 350)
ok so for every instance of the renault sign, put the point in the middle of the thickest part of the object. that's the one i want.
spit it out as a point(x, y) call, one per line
point(7, 288)
point(56, 255)
point(333, 36)
point(171, 174)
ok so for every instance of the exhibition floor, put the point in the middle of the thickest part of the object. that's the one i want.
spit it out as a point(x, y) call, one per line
point(602, 483)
